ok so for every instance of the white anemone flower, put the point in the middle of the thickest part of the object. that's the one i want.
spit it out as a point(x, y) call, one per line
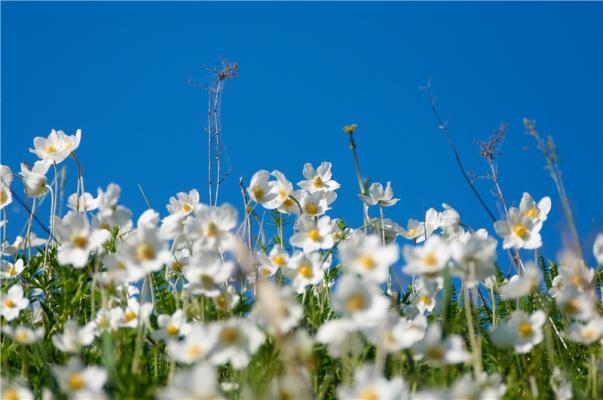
point(576, 274)
point(172, 327)
point(184, 203)
point(432, 223)
point(474, 260)
point(586, 333)
point(210, 228)
point(291, 205)
point(263, 191)
point(378, 196)
point(81, 382)
point(425, 293)
point(74, 337)
point(34, 179)
point(135, 314)
point(86, 202)
point(306, 270)
point(414, 230)
point(366, 256)
point(277, 259)
point(15, 390)
point(427, 260)
point(282, 187)
point(397, 333)
point(520, 285)
point(206, 272)
point(277, 308)
point(467, 387)
point(361, 301)
point(341, 336)
point(107, 320)
point(238, 340)
point(23, 334)
point(144, 249)
point(77, 239)
point(6, 178)
point(111, 214)
point(576, 304)
point(319, 179)
point(199, 382)
point(519, 231)
point(10, 270)
point(13, 302)
point(535, 211)
point(438, 351)
point(313, 235)
point(521, 331)
point(227, 299)
point(57, 146)
point(598, 249)
point(369, 383)
point(317, 203)
point(196, 346)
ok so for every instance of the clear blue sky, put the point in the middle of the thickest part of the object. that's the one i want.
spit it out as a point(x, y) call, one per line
point(119, 72)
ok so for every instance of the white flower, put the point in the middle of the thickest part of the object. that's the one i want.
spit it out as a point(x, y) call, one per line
point(144, 249)
point(318, 179)
point(561, 387)
point(85, 202)
point(196, 346)
point(148, 219)
point(135, 313)
point(6, 178)
point(313, 235)
point(360, 301)
point(437, 351)
point(519, 231)
point(575, 274)
point(227, 299)
point(291, 204)
point(35, 180)
point(57, 146)
point(414, 230)
point(366, 256)
point(317, 203)
point(184, 203)
point(9, 270)
point(206, 271)
point(432, 222)
point(376, 195)
point(282, 187)
point(277, 259)
point(474, 260)
point(73, 337)
point(598, 249)
point(467, 387)
point(521, 285)
point(521, 331)
point(369, 383)
point(14, 391)
point(211, 226)
point(263, 191)
point(13, 302)
point(341, 337)
point(200, 382)
point(535, 211)
point(398, 333)
point(23, 334)
point(111, 214)
point(81, 382)
point(306, 269)
point(428, 260)
point(238, 340)
point(576, 304)
point(276, 307)
point(77, 239)
point(172, 327)
point(424, 296)
point(107, 320)
point(587, 333)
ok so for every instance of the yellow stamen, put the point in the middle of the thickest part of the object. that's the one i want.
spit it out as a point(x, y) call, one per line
point(283, 194)
point(9, 303)
point(367, 262)
point(258, 193)
point(520, 230)
point(434, 353)
point(75, 382)
point(145, 252)
point(349, 129)
point(572, 307)
point(355, 302)
point(21, 336)
point(531, 212)
point(588, 333)
point(186, 208)
point(369, 394)
point(229, 335)
point(221, 301)
point(426, 300)
point(279, 260)
point(311, 208)
point(10, 394)
point(212, 230)
point(430, 260)
point(172, 330)
point(194, 351)
point(525, 329)
point(51, 149)
point(305, 270)
point(314, 234)
point(3, 196)
point(411, 232)
point(79, 241)
point(129, 315)
point(317, 181)
point(12, 271)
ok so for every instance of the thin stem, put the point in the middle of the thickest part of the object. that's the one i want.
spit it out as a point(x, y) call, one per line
point(475, 353)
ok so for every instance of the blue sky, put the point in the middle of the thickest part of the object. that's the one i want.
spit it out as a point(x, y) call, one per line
point(119, 72)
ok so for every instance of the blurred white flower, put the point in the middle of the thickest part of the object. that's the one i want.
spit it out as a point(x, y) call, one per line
point(15, 390)
point(474, 260)
point(369, 383)
point(277, 308)
point(427, 260)
point(206, 272)
point(199, 342)
point(586, 333)
point(576, 304)
point(23, 334)
point(424, 295)
point(414, 230)
point(397, 333)
point(341, 336)
point(317, 203)
point(366, 256)
point(306, 269)
point(10, 270)
point(81, 382)
point(85, 202)
point(144, 249)
point(6, 178)
point(378, 196)
point(278, 258)
point(361, 301)
point(437, 351)
point(184, 203)
point(77, 239)
point(319, 179)
point(520, 285)
point(598, 249)
point(111, 214)
point(210, 227)
point(172, 327)
point(521, 331)
point(74, 337)
point(313, 235)
point(519, 231)
point(13, 302)
point(238, 340)
point(135, 314)
point(34, 179)
point(199, 382)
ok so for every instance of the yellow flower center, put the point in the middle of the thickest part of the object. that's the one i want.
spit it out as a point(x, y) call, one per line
point(283, 194)
point(434, 353)
point(314, 234)
point(194, 351)
point(411, 232)
point(430, 260)
point(525, 329)
point(578, 281)
point(317, 181)
point(288, 203)
point(75, 382)
point(369, 394)
point(103, 323)
point(229, 335)
point(588, 333)
point(367, 262)
point(172, 330)
point(258, 193)
point(9, 303)
point(426, 300)
point(145, 252)
point(12, 271)
point(10, 394)
point(221, 301)
point(177, 266)
point(355, 302)
point(3, 196)
point(21, 336)
point(531, 212)
point(120, 266)
point(212, 230)
point(279, 260)
point(130, 315)
point(520, 230)
point(572, 307)
point(186, 208)
point(311, 208)
point(305, 270)
point(79, 241)
point(51, 149)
